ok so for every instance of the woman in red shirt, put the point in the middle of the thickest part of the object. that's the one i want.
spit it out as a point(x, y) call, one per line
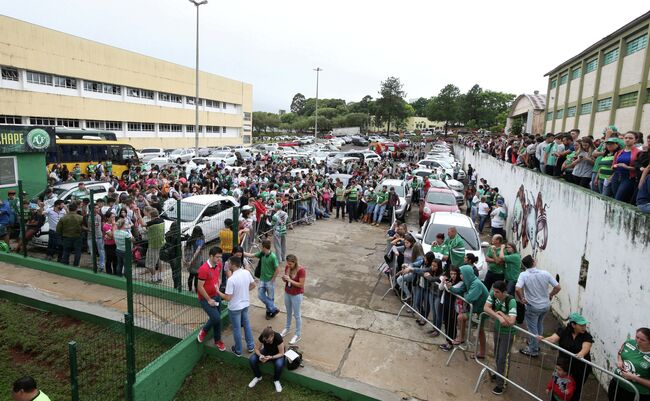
point(294, 288)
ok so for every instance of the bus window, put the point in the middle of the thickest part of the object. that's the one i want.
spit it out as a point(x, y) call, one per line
point(114, 154)
point(98, 152)
point(52, 155)
point(128, 152)
point(79, 153)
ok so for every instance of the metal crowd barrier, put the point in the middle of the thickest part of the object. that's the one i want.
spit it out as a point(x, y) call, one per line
point(532, 375)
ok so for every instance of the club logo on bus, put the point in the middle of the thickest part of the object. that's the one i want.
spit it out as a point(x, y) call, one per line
point(38, 139)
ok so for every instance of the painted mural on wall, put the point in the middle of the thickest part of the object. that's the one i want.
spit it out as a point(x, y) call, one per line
point(529, 224)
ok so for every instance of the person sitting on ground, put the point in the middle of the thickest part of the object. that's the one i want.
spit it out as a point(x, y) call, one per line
point(25, 389)
point(269, 347)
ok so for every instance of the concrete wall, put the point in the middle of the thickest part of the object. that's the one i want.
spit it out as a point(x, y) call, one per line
point(597, 247)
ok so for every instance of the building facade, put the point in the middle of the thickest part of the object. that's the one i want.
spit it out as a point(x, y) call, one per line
point(605, 84)
point(410, 124)
point(529, 111)
point(50, 78)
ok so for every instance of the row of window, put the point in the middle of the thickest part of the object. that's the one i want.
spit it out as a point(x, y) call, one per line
point(111, 125)
point(624, 100)
point(11, 74)
point(632, 46)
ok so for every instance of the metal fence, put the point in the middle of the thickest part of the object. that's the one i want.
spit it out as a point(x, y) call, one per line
point(552, 370)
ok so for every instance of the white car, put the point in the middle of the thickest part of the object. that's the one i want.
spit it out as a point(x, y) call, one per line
point(149, 153)
point(206, 211)
point(181, 155)
point(323, 156)
point(228, 157)
point(64, 192)
point(439, 222)
point(201, 163)
point(403, 191)
point(338, 142)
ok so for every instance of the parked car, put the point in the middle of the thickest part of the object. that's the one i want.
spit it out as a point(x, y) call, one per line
point(403, 190)
point(437, 200)
point(147, 154)
point(344, 178)
point(204, 152)
point(440, 222)
point(207, 211)
point(181, 155)
point(228, 156)
point(359, 141)
point(99, 189)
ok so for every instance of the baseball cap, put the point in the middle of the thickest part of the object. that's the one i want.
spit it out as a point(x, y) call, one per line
point(617, 141)
point(577, 318)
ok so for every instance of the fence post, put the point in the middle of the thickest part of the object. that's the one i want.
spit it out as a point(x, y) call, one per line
point(74, 383)
point(21, 218)
point(130, 356)
point(93, 241)
point(128, 273)
point(235, 227)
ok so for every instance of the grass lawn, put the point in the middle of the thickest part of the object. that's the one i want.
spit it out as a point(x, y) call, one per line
point(215, 380)
point(35, 343)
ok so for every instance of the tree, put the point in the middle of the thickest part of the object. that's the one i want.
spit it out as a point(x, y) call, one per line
point(517, 127)
point(444, 107)
point(298, 103)
point(328, 112)
point(288, 118)
point(471, 105)
point(420, 106)
point(356, 120)
point(263, 121)
point(390, 106)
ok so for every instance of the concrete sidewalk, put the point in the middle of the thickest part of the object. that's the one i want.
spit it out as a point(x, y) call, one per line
point(349, 333)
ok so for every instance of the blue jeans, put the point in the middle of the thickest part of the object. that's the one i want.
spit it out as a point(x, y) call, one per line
point(404, 280)
point(351, 207)
point(534, 319)
point(266, 293)
point(214, 317)
point(645, 208)
point(370, 208)
point(237, 319)
point(379, 213)
point(71, 244)
point(120, 262)
point(278, 365)
point(293, 303)
point(622, 186)
point(101, 253)
point(482, 219)
point(54, 245)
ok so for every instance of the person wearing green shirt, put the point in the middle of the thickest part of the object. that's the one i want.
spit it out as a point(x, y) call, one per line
point(455, 246)
point(340, 198)
point(496, 266)
point(415, 190)
point(633, 364)
point(552, 151)
point(352, 202)
point(90, 169)
point(109, 168)
point(604, 165)
point(438, 247)
point(512, 260)
point(269, 270)
point(503, 308)
point(380, 205)
point(76, 172)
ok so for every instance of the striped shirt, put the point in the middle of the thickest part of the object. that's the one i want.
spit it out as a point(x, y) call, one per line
point(120, 237)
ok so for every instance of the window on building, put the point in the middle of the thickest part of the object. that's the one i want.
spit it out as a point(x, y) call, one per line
point(134, 127)
point(564, 78)
point(585, 108)
point(169, 97)
point(212, 103)
point(164, 128)
point(65, 82)
point(549, 116)
point(8, 171)
point(139, 93)
point(247, 139)
point(576, 73)
point(604, 104)
point(10, 74)
point(628, 99)
point(42, 121)
point(591, 65)
point(114, 125)
point(99, 87)
point(176, 128)
point(247, 116)
point(636, 44)
point(112, 89)
point(149, 127)
point(68, 122)
point(571, 111)
point(190, 100)
point(189, 128)
point(92, 86)
point(559, 114)
point(223, 129)
point(610, 56)
point(39, 78)
point(13, 120)
point(94, 124)
point(553, 83)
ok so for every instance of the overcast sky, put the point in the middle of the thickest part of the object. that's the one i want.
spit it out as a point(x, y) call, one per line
point(275, 45)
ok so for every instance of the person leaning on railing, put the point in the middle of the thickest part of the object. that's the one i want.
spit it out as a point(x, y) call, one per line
point(633, 364)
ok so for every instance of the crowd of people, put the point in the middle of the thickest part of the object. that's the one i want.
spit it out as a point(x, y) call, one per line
point(613, 164)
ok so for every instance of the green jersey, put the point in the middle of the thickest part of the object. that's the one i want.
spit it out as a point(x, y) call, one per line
point(513, 266)
point(507, 306)
point(456, 247)
point(353, 195)
point(4, 247)
point(109, 167)
point(604, 167)
point(598, 149)
point(76, 173)
point(637, 363)
point(340, 194)
point(382, 196)
point(493, 266)
point(91, 168)
point(441, 249)
point(269, 264)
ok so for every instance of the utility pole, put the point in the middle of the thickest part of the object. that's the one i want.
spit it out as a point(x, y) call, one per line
point(318, 70)
point(196, 99)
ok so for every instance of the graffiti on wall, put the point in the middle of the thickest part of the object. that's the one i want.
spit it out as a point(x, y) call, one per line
point(529, 225)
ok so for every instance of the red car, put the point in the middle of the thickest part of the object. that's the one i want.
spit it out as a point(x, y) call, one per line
point(291, 143)
point(329, 136)
point(437, 200)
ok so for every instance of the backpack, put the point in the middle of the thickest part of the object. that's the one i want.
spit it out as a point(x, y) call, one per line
point(297, 362)
point(521, 309)
point(167, 252)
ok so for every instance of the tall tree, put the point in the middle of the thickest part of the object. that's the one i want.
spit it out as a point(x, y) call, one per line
point(444, 107)
point(471, 105)
point(298, 103)
point(420, 106)
point(390, 106)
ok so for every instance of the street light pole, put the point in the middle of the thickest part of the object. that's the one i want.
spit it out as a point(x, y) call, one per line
point(318, 70)
point(196, 98)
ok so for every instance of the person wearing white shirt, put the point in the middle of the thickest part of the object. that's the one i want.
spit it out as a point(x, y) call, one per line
point(53, 216)
point(498, 219)
point(483, 213)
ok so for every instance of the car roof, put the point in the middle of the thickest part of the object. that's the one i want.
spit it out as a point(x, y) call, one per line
point(207, 199)
point(451, 219)
point(70, 185)
point(392, 182)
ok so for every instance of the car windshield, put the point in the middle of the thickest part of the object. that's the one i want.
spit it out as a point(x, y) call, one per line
point(441, 198)
point(149, 151)
point(466, 233)
point(177, 151)
point(189, 212)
